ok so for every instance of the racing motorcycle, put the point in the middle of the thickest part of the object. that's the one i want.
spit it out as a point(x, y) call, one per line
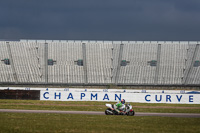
point(127, 110)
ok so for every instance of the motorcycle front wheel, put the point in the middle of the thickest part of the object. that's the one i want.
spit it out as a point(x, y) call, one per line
point(131, 113)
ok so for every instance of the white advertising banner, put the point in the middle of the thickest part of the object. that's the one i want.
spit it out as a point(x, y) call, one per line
point(114, 96)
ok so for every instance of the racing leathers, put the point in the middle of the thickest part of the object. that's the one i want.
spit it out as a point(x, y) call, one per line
point(119, 107)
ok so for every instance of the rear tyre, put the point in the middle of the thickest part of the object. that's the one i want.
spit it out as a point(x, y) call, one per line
point(107, 112)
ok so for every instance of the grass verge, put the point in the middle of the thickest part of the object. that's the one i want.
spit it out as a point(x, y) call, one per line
point(24, 122)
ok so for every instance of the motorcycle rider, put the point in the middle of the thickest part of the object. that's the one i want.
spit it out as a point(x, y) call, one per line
point(119, 107)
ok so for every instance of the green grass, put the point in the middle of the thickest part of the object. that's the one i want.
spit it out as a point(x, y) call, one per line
point(33, 122)
point(92, 103)
point(94, 106)
point(24, 122)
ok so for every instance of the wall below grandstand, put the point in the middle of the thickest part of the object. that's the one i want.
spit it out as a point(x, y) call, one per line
point(20, 94)
point(114, 95)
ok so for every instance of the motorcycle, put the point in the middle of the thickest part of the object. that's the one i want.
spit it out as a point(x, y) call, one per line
point(127, 110)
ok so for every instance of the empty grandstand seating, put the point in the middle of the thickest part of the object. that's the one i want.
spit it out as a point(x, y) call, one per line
point(100, 62)
point(193, 73)
point(65, 69)
point(28, 61)
point(6, 73)
point(172, 63)
point(138, 71)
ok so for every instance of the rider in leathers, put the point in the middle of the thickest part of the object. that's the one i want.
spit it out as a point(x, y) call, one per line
point(119, 107)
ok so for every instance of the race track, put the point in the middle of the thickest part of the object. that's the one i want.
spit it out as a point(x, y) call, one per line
point(101, 113)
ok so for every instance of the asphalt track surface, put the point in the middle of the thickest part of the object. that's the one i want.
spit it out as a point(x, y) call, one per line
point(101, 113)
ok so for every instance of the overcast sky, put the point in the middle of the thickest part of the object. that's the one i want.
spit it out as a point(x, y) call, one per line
point(100, 19)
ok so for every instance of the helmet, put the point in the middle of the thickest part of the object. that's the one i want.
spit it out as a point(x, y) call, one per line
point(123, 101)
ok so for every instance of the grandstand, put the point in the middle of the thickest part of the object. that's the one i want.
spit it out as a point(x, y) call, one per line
point(174, 63)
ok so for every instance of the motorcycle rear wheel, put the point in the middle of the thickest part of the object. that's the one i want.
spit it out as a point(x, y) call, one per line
point(107, 113)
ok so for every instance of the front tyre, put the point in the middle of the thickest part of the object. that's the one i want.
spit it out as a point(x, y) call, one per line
point(132, 113)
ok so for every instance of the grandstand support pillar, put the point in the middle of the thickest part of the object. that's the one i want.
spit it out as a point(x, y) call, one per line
point(84, 63)
point(119, 63)
point(187, 73)
point(12, 63)
point(45, 61)
point(158, 64)
point(112, 74)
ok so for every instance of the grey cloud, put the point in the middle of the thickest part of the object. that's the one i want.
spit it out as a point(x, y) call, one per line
point(100, 20)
